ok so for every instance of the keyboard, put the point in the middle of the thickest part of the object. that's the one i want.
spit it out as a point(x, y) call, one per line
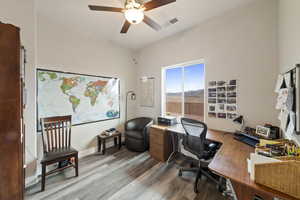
point(247, 139)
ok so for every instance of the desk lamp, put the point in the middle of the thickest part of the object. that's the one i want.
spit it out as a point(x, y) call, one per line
point(240, 120)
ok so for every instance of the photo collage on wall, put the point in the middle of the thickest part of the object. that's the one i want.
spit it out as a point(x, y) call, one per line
point(222, 99)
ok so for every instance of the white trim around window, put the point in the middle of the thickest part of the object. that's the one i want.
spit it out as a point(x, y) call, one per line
point(163, 87)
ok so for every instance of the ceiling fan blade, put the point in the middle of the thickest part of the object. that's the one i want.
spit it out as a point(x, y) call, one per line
point(105, 8)
point(157, 3)
point(147, 20)
point(125, 27)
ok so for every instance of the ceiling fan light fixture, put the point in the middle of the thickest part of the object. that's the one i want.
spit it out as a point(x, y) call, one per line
point(134, 15)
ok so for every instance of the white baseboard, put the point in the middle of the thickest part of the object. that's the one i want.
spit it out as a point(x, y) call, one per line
point(32, 180)
point(87, 152)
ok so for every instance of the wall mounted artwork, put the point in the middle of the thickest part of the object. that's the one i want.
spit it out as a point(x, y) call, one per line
point(87, 98)
point(147, 91)
point(222, 99)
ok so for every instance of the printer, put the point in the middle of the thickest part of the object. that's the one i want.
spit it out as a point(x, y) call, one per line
point(166, 120)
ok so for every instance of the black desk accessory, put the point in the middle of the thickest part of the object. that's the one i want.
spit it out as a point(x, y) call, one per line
point(110, 130)
point(246, 138)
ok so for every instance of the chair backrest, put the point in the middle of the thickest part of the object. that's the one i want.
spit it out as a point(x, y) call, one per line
point(195, 135)
point(138, 123)
point(56, 132)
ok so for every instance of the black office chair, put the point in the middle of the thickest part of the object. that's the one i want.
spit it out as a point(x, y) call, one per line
point(195, 142)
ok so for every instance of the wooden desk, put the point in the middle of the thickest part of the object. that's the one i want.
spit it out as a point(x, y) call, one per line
point(231, 162)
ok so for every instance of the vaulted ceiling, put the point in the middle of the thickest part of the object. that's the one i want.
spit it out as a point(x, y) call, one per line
point(74, 14)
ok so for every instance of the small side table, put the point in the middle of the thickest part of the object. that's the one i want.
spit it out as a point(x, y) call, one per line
point(102, 140)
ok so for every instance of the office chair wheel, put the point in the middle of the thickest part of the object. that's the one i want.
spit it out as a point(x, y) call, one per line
point(180, 173)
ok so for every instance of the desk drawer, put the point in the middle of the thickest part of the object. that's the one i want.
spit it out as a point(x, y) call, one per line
point(157, 136)
point(157, 152)
point(160, 144)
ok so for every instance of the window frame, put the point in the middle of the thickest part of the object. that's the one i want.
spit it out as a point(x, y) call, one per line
point(163, 85)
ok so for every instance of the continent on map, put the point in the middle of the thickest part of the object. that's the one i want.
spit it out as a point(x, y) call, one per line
point(69, 83)
point(112, 113)
point(74, 101)
point(93, 89)
point(52, 75)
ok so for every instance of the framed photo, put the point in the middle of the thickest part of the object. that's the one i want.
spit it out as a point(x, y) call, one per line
point(221, 83)
point(231, 94)
point(221, 89)
point(231, 88)
point(212, 108)
point(212, 83)
point(212, 95)
point(231, 100)
point(212, 90)
point(263, 131)
point(222, 115)
point(231, 108)
point(222, 101)
point(222, 95)
point(212, 114)
point(221, 107)
point(231, 116)
point(212, 100)
point(232, 82)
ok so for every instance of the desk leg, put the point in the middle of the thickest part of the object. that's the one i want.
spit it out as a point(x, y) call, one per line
point(99, 145)
point(104, 147)
point(175, 141)
point(116, 141)
point(120, 141)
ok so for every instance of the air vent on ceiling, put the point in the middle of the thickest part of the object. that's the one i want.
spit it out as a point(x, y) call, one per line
point(170, 22)
point(173, 21)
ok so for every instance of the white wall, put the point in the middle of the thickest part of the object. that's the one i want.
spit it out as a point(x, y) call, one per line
point(65, 50)
point(241, 44)
point(22, 14)
point(289, 36)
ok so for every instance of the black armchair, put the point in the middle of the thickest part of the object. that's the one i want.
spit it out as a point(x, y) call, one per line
point(137, 134)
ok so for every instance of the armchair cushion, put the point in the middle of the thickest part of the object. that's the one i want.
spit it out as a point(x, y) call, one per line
point(135, 134)
point(137, 124)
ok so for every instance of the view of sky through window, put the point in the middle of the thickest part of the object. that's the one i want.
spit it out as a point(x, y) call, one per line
point(194, 78)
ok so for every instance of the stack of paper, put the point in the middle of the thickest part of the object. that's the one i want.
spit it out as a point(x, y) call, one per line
point(258, 159)
point(285, 102)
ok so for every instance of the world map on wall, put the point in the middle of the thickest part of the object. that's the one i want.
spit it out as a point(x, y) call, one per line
point(87, 98)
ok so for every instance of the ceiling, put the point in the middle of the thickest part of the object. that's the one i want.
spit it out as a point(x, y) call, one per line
point(74, 14)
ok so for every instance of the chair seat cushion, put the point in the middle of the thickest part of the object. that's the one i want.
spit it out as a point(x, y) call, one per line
point(134, 134)
point(59, 153)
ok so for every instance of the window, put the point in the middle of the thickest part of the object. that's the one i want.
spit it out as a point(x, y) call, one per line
point(183, 91)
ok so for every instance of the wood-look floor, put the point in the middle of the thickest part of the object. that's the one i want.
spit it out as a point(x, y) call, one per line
point(123, 175)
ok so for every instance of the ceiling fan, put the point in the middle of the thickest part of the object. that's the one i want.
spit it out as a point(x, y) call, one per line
point(134, 12)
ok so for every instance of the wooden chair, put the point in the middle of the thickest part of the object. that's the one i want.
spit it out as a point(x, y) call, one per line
point(56, 136)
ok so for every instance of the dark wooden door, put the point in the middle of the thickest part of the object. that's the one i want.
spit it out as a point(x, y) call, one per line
point(11, 147)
